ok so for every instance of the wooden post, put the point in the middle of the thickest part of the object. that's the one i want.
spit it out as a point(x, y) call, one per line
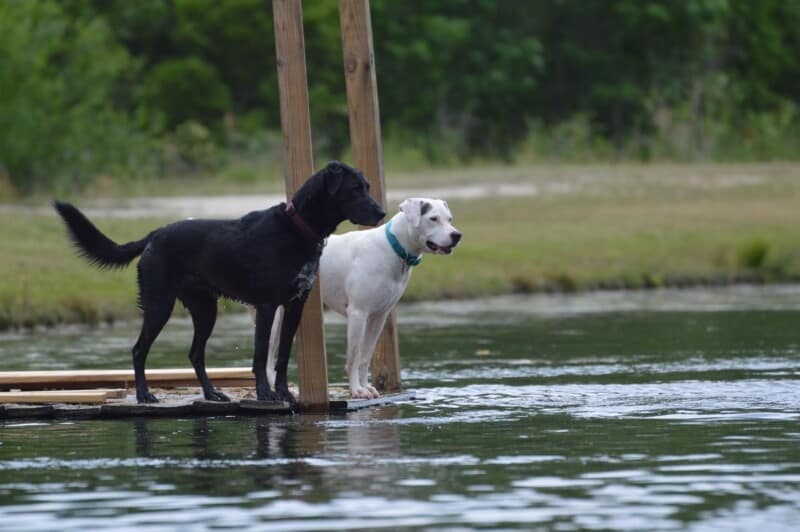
point(312, 365)
point(365, 140)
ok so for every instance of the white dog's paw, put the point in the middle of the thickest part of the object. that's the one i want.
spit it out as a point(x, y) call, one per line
point(360, 393)
point(373, 392)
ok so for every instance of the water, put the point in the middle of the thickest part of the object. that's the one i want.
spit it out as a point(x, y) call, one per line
point(673, 410)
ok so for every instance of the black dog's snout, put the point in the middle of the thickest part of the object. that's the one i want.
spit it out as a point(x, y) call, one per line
point(456, 237)
point(381, 213)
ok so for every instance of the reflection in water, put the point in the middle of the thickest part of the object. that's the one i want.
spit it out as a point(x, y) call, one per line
point(528, 418)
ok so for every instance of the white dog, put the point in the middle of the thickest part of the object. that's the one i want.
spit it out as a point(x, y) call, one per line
point(364, 274)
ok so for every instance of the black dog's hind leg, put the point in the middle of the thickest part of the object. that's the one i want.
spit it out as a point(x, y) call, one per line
point(291, 320)
point(203, 309)
point(156, 299)
point(156, 315)
point(264, 316)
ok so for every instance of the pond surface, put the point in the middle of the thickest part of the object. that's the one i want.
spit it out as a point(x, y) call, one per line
point(665, 410)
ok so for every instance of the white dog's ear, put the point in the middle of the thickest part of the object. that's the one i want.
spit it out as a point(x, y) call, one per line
point(412, 210)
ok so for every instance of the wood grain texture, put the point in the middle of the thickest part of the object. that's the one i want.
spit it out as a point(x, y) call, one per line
point(365, 139)
point(362, 94)
point(119, 378)
point(312, 365)
point(47, 397)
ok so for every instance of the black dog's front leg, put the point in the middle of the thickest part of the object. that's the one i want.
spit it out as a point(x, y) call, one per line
point(264, 316)
point(291, 320)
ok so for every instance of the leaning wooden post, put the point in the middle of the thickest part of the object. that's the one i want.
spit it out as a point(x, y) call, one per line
point(365, 140)
point(312, 365)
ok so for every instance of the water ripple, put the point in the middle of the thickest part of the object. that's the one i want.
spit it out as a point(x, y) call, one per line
point(664, 410)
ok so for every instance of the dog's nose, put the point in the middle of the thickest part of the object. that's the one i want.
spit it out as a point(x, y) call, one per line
point(456, 237)
point(381, 213)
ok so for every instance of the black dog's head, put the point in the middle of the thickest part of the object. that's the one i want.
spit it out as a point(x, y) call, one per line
point(351, 192)
point(337, 193)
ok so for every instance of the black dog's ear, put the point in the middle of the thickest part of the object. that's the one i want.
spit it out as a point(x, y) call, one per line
point(333, 177)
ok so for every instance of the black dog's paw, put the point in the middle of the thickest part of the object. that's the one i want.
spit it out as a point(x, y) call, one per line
point(267, 396)
point(263, 392)
point(286, 395)
point(145, 398)
point(214, 395)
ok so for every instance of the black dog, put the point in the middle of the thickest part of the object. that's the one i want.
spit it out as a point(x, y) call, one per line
point(266, 258)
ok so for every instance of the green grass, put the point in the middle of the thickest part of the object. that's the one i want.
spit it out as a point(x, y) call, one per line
point(628, 226)
point(526, 245)
point(42, 281)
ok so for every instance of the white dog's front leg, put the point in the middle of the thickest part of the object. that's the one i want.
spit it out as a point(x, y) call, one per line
point(356, 328)
point(375, 325)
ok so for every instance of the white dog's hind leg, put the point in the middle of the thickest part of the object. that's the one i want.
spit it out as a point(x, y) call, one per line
point(274, 337)
point(356, 329)
point(375, 325)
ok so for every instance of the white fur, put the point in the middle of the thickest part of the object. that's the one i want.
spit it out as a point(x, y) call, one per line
point(363, 279)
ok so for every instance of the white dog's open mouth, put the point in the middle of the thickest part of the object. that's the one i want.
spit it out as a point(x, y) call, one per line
point(444, 250)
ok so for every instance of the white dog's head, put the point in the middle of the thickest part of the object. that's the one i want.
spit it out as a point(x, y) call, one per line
point(430, 224)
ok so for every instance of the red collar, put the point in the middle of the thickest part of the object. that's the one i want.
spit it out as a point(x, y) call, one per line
point(301, 224)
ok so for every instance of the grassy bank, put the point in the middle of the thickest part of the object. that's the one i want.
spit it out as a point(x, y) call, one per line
point(42, 281)
point(586, 228)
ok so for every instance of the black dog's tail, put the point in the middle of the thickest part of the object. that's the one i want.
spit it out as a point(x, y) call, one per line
point(96, 247)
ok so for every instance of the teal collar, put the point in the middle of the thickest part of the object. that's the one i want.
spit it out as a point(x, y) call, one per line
point(411, 260)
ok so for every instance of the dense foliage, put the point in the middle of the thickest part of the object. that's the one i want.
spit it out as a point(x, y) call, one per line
point(92, 87)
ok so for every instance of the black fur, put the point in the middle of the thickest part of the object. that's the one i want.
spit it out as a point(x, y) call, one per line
point(93, 245)
point(263, 259)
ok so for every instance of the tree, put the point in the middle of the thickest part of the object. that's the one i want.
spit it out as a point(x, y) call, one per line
point(58, 77)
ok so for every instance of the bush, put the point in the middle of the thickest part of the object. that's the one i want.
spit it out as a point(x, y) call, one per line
point(195, 146)
point(58, 80)
point(754, 254)
point(573, 140)
point(180, 90)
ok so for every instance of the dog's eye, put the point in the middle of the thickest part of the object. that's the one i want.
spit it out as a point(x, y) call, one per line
point(449, 220)
point(434, 218)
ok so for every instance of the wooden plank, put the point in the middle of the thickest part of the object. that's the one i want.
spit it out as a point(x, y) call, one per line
point(120, 393)
point(119, 378)
point(178, 404)
point(115, 393)
point(73, 397)
point(29, 412)
point(312, 364)
point(250, 406)
point(349, 405)
point(365, 139)
point(214, 408)
point(121, 410)
point(72, 411)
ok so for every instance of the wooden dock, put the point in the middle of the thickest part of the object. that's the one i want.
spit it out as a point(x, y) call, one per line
point(119, 378)
point(47, 394)
point(86, 394)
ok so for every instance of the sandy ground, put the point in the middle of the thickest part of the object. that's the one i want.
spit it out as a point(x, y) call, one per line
point(468, 185)
point(235, 205)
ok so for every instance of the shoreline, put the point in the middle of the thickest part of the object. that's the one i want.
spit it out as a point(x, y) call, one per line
point(586, 228)
point(55, 321)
